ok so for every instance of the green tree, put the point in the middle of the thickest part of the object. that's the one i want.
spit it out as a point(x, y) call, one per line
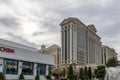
point(89, 73)
point(112, 62)
point(63, 72)
point(70, 72)
point(81, 74)
point(2, 77)
point(85, 73)
point(100, 72)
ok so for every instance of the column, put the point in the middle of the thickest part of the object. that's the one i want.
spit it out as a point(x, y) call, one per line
point(71, 52)
point(68, 50)
point(19, 67)
point(61, 58)
point(1, 65)
point(35, 69)
point(87, 51)
point(47, 69)
point(65, 44)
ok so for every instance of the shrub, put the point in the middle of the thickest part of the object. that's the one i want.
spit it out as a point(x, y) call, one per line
point(63, 79)
point(81, 74)
point(48, 77)
point(55, 72)
point(21, 77)
point(112, 62)
point(89, 73)
point(2, 77)
point(85, 73)
point(74, 77)
point(37, 77)
point(100, 72)
point(63, 72)
point(70, 73)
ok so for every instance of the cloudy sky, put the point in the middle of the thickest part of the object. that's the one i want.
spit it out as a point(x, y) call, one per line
point(36, 22)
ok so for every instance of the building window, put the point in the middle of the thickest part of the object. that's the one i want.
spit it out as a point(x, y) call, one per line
point(49, 69)
point(27, 68)
point(11, 66)
point(41, 69)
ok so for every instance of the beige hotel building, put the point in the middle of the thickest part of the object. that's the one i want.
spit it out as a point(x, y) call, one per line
point(107, 53)
point(80, 43)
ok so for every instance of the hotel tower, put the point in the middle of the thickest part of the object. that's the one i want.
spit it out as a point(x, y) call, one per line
point(80, 43)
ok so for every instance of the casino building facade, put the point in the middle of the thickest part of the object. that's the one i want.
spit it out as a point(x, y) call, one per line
point(17, 58)
point(80, 43)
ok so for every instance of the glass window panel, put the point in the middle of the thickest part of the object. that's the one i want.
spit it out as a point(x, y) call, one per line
point(27, 68)
point(11, 66)
point(41, 69)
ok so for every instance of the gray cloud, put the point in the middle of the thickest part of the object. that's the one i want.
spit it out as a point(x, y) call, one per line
point(20, 39)
point(8, 21)
point(4, 1)
point(51, 24)
point(37, 33)
point(46, 15)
